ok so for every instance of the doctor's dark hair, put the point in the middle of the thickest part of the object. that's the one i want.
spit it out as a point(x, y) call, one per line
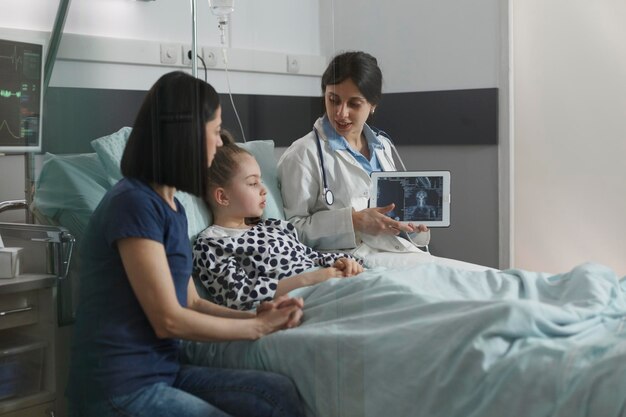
point(167, 145)
point(362, 68)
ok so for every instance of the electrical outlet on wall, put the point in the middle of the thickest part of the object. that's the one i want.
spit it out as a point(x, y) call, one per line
point(186, 51)
point(210, 58)
point(293, 64)
point(169, 53)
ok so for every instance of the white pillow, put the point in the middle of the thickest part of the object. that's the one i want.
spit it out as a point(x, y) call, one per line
point(198, 214)
point(263, 152)
point(110, 149)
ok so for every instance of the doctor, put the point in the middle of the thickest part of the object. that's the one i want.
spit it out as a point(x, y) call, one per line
point(325, 175)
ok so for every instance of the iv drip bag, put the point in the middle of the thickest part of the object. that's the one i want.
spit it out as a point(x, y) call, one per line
point(222, 8)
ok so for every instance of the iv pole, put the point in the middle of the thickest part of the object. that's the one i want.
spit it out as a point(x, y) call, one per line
point(194, 38)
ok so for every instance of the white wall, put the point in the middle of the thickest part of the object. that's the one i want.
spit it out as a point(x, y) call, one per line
point(276, 25)
point(272, 25)
point(426, 45)
point(420, 45)
point(569, 69)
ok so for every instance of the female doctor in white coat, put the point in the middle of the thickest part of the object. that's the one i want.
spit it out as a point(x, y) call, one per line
point(325, 175)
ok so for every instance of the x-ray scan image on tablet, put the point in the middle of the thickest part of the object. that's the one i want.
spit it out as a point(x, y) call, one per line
point(420, 197)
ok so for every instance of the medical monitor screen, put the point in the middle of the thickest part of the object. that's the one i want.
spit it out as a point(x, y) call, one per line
point(21, 98)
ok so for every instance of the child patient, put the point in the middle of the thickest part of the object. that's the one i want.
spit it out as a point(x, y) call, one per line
point(243, 260)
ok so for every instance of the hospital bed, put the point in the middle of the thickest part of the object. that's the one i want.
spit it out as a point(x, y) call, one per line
point(409, 337)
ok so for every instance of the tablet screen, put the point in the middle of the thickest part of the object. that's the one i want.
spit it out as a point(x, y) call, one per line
point(419, 196)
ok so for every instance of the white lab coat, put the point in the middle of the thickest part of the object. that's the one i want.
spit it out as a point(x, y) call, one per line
point(325, 227)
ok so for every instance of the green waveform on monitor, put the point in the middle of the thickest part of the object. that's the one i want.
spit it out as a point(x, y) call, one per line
point(6, 124)
point(9, 94)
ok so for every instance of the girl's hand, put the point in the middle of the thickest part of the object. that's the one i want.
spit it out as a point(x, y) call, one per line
point(349, 267)
point(374, 222)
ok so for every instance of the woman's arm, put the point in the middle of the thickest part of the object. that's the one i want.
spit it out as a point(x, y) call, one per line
point(199, 304)
point(145, 263)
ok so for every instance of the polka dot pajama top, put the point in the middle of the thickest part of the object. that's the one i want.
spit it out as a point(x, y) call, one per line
point(242, 267)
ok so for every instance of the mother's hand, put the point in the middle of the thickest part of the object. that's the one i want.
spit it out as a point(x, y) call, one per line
point(292, 305)
point(374, 222)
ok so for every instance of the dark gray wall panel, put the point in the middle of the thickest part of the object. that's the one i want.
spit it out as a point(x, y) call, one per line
point(75, 116)
point(455, 117)
point(279, 118)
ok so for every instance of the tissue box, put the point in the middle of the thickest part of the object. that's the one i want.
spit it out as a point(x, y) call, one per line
point(9, 262)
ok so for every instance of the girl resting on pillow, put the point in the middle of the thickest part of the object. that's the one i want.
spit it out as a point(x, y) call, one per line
point(243, 260)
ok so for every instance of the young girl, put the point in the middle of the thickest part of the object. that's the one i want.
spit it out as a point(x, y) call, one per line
point(243, 260)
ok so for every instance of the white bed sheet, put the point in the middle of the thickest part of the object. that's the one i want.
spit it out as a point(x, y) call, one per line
point(401, 260)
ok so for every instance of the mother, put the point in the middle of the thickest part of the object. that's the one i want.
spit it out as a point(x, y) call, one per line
point(136, 296)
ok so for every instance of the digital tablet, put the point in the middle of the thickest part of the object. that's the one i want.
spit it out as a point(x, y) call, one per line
point(421, 197)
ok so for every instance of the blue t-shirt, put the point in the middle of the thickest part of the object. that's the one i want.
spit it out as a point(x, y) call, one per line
point(114, 349)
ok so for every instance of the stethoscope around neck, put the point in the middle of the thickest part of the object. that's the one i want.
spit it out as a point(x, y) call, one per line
point(329, 197)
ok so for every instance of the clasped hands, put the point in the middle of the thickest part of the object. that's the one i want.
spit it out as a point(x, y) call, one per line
point(284, 312)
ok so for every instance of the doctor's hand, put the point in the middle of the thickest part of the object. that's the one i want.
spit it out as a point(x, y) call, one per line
point(374, 222)
point(419, 228)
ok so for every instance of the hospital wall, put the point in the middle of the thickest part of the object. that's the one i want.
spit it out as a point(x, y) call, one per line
point(427, 48)
point(126, 28)
point(569, 70)
point(438, 47)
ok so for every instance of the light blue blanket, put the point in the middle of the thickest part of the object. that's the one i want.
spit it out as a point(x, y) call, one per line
point(436, 341)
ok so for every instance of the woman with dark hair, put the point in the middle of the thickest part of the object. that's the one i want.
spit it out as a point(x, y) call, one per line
point(325, 175)
point(136, 296)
